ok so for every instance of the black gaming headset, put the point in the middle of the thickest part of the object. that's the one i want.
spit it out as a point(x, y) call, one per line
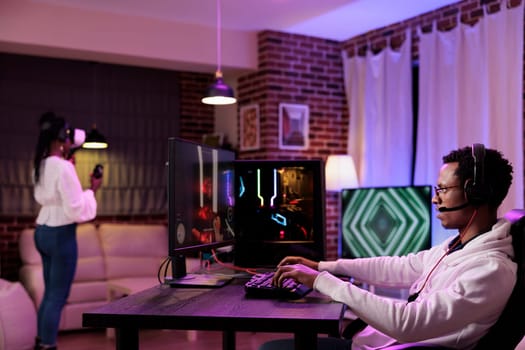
point(476, 190)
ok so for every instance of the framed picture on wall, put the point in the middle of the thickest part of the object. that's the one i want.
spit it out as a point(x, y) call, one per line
point(249, 127)
point(293, 126)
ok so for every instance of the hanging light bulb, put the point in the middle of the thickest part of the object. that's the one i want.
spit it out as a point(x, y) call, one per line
point(219, 93)
point(95, 140)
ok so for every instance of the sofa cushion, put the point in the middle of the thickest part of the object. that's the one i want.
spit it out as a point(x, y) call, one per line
point(90, 267)
point(133, 250)
point(31, 276)
point(90, 264)
point(26, 244)
point(88, 241)
point(82, 292)
point(120, 287)
point(17, 317)
point(71, 317)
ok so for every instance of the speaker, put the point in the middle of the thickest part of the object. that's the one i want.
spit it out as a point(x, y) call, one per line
point(476, 190)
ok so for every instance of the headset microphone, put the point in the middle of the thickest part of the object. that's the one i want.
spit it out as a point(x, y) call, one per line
point(459, 207)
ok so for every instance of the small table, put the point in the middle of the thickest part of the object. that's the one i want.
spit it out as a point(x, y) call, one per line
point(225, 309)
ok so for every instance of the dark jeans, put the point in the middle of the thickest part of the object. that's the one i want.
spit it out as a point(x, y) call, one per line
point(58, 248)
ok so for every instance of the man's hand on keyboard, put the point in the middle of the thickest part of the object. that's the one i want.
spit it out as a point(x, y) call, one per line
point(291, 260)
point(299, 272)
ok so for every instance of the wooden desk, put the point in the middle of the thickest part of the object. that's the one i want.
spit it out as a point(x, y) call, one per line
point(224, 309)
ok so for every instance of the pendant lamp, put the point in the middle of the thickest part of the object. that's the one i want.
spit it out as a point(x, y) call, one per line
point(219, 93)
point(94, 139)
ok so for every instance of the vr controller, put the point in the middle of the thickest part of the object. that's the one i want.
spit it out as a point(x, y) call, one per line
point(98, 171)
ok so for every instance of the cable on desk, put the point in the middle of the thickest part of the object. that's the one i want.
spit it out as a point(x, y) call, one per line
point(165, 264)
point(161, 275)
point(232, 266)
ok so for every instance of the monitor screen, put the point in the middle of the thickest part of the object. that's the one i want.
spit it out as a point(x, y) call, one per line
point(280, 211)
point(200, 200)
point(379, 221)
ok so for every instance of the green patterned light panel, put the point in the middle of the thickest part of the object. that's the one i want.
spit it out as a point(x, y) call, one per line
point(385, 221)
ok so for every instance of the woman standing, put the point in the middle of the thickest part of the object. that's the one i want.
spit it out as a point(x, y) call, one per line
point(63, 205)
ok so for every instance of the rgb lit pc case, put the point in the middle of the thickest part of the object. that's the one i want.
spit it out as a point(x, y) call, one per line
point(279, 210)
point(381, 221)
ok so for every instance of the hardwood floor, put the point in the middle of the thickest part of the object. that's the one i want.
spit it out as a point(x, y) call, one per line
point(164, 340)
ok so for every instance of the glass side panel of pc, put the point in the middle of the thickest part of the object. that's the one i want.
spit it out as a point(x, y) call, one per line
point(280, 211)
point(201, 202)
point(379, 221)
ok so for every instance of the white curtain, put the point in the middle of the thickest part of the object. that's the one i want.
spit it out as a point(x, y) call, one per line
point(379, 90)
point(471, 91)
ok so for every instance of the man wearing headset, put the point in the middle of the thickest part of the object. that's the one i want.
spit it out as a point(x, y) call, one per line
point(458, 288)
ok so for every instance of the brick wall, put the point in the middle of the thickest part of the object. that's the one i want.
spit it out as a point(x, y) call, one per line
point(302, 70)
point(196, 118)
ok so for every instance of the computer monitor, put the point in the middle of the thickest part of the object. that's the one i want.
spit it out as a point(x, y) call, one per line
point(280, 211)
point(379, 221)
point(201, 202)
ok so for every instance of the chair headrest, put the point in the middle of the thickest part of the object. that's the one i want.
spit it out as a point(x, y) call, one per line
point(515, 215)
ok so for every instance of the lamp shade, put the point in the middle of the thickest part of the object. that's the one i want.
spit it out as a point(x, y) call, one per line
point(340, 173)
point(95, 140)
point(219, 93)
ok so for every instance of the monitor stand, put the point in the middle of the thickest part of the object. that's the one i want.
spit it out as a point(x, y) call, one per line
point(197, 280)
point(182, 279)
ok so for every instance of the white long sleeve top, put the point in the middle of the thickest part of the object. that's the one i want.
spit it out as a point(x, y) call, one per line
point(463, 298)
point(60, 194)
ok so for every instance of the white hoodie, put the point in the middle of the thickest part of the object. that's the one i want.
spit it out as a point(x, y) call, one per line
point(462, 299)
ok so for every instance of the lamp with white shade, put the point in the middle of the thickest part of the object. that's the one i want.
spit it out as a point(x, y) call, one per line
point(340, 173)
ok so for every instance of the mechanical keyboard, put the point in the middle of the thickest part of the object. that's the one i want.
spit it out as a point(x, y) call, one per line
point(260, 286)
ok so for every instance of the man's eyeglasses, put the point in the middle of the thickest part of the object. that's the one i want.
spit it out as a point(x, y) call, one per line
point(442, 190)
